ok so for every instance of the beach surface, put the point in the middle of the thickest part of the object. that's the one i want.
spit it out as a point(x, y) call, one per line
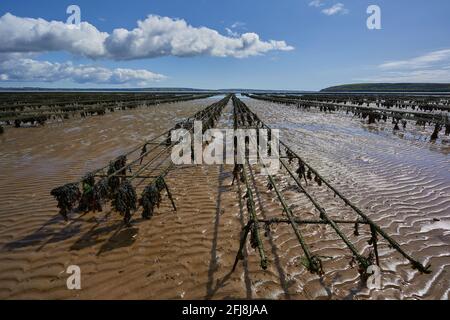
point(402, 182)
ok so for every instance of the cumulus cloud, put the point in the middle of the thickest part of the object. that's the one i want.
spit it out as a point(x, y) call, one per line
point(24, 69)
point(153, 37)
point(335, 9)
point(38, 35)
point(161, 36)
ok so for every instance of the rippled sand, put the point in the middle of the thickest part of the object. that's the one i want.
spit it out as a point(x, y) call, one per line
point(402, 184)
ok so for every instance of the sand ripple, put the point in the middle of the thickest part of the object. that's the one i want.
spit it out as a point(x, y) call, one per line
point(403, 184)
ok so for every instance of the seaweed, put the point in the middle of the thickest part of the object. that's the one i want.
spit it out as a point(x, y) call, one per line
point(67, 197)
point(372, 118)
point(125, 201)
point(101, 192)
point(395, 123)
point(318, 180)
point(309, 175)
point(151, 197)
point(301, 170)
point(437, 129)
point(113, 181)
point(404, 123)
point(114, 167)
point(290, 156)
point(88, 201)
point(238, 174)
point(121, 163)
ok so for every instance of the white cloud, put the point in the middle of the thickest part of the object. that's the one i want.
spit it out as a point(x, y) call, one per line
point(238, 24)
point(15, 56)
point(316, 3)
point(232, 33)
point(430, 75)
point(38, 35)
point(430, 67)
point(161, 36)
point(335, 9)
point(423, 61)
point(43, 71)
point(153, 37)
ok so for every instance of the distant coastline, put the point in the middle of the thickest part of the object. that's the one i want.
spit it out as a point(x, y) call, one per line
point(391, 87)
point(156, 90)
point(357, 88)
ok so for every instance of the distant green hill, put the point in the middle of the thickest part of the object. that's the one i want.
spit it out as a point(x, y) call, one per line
point(390, 87)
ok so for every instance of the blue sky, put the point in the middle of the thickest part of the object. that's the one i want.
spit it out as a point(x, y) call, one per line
point(314, 49)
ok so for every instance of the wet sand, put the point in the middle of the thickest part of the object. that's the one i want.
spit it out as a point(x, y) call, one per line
point(403, 184)
point(188, 254)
